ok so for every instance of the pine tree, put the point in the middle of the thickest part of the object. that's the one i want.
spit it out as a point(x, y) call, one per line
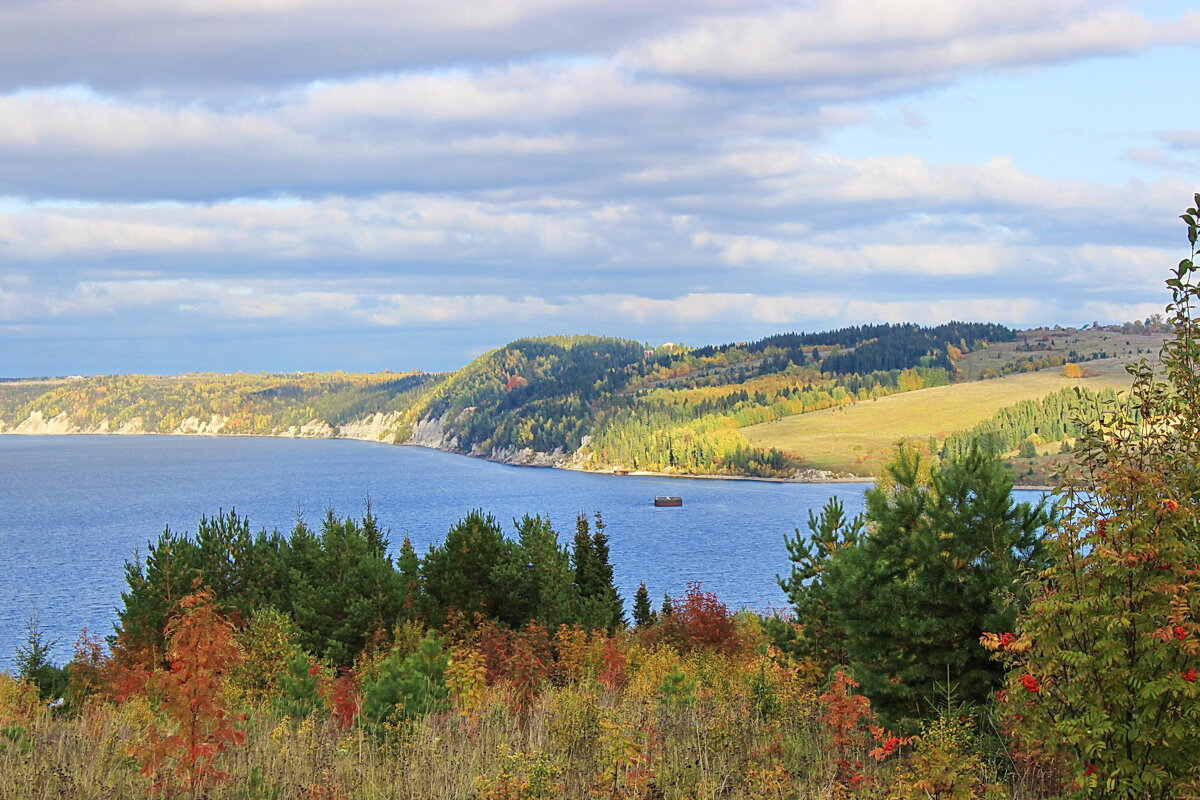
point(908, 596)
point(346, 595)
point(546, 579)
point(815, 575)
point(465, 572)
point(408, 687)
point(298, 694)
point(155, 586)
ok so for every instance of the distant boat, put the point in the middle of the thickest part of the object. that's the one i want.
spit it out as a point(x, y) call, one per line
point(619, 471)
point(667, 502)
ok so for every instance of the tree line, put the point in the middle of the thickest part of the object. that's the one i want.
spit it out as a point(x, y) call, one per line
point(346, 594)
point(1057, 417)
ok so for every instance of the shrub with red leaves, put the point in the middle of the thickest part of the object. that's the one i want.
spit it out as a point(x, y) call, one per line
point(699, 622)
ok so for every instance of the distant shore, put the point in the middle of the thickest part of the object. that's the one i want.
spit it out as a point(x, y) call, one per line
point(806, 476)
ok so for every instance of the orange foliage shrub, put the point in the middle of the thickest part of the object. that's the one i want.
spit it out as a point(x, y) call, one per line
point(614, 671)
point(201, 649)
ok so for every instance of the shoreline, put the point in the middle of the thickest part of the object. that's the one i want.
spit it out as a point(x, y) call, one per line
point(631, 473)
point(814, 479)
point(641, 473)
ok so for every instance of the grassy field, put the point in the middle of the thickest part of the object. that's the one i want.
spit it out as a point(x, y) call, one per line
point(859, 438)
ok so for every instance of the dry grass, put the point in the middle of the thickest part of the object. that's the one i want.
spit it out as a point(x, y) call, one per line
point(859, 438)
point(578, 741)
point(701, 752)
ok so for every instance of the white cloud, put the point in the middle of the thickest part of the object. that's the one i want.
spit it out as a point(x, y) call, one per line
point(229, 47)
point(514, 93)
point(850, 49)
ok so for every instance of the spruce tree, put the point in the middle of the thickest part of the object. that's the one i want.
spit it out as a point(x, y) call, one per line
point(581, 556)
point(34, 664)
point(602, 605)
point(408, 564)
point(643, 614)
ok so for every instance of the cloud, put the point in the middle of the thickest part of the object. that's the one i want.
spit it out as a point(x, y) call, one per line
point(682, 169)
point(856, 49)
point(661, 89)
point(1183, 140)
point(234, 48)
point(720, 225)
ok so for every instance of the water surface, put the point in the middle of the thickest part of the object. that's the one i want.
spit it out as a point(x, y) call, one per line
point(74, 508)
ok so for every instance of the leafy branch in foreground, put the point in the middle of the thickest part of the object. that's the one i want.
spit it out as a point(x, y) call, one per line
point(1104, 661)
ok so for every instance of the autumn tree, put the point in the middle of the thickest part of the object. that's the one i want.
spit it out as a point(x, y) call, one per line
point(1104, 662)
point(180, 754)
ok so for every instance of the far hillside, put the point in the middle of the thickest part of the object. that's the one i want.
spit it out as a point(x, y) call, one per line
point(1039, 348)
point(859, 437)
point(757, 409)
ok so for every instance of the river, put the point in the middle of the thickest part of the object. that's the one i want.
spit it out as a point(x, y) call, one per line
point(73, 509)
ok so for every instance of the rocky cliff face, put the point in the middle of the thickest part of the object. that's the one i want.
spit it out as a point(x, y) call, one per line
point(378, 427)
point(524, 457)
point(36, 424)
point(430, 432)
point(210, 426)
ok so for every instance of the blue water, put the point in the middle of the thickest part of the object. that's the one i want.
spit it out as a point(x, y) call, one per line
point(74, 508)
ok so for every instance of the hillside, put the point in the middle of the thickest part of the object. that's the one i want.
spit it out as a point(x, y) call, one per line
point(858, 438)
point(834, 400)
point(300, 404)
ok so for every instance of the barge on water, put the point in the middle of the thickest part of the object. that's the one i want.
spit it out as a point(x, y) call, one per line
point(668, 502)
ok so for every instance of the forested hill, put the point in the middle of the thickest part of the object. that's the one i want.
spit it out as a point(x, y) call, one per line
point(877, 347)
point(581, 401)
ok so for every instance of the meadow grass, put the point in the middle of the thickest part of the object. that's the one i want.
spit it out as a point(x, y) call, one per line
point(576, 741)
point(859, 438)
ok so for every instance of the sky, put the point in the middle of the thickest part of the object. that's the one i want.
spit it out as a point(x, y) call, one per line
point(280, 185)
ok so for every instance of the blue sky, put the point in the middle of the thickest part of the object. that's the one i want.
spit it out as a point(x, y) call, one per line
point(368, 184)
